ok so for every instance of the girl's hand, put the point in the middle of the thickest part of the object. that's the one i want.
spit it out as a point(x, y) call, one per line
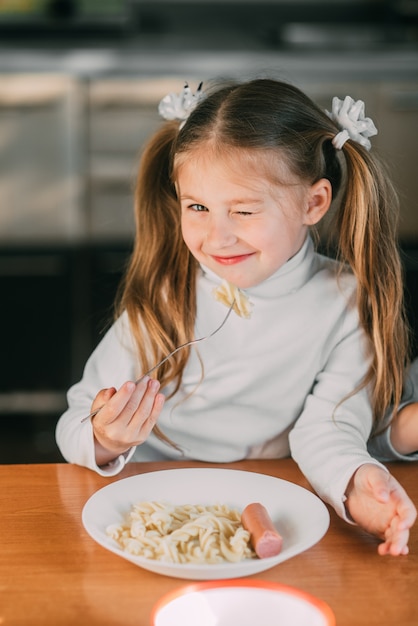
point(380, 505)
point(126, 418)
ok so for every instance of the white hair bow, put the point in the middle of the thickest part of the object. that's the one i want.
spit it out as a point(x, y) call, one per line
point(348, 114)
point(178, 106)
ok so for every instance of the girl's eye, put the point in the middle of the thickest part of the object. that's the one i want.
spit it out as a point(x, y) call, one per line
point(198, 207)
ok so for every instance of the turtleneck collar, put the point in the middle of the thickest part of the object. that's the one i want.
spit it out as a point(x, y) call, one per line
point(289, 277)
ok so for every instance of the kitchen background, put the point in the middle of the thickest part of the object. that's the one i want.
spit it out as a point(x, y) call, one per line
point(79, 85)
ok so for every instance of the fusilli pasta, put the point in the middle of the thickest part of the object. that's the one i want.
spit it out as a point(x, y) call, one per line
point(190, 533)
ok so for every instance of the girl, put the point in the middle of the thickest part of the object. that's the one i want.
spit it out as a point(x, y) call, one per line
point(314, 352)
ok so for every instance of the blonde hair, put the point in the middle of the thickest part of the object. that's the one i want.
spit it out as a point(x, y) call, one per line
point(159, 290)
point(366, 224)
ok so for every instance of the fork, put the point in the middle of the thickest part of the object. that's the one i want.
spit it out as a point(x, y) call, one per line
point(184, 345)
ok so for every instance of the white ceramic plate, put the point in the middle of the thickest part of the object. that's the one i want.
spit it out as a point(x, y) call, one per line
point(299, 516)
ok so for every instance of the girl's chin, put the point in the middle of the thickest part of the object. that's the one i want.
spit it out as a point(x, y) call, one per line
point(240, 282)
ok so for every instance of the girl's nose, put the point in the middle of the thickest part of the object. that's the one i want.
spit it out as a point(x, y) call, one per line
point(220, 233)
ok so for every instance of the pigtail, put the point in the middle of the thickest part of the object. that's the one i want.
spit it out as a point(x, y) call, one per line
point(367, 230)
point(159, 292)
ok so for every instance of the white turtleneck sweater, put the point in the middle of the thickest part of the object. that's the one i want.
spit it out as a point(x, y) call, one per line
point(271, 384)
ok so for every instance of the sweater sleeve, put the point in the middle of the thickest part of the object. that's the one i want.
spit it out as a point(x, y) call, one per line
point(329, 440)
point(380, 446)
point(110, 365)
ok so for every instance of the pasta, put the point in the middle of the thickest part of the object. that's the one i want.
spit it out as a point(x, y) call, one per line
point(227, 293)
point(190, 533)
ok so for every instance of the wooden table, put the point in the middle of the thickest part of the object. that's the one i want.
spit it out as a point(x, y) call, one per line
point(53, 574)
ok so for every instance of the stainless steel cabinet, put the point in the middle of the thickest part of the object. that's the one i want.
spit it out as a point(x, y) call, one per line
point(397, 114)
point(394, 109)
point(69, 149)
point(122, 114)
point(41, 158)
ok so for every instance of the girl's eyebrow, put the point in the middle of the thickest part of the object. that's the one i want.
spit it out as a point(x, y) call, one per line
point(247, 201)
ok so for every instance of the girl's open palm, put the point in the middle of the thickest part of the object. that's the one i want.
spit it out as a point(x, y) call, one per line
point(126, 418)
point(380, 505)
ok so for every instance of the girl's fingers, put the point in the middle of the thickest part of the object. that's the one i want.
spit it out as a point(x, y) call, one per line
point(143, 420)
point(397, 533)
point(129, 416)
point(129, 409)
point(122, 404)
point(147, 426)
point(102, 397)
point(388, 489)
point(406, 512)
point(142, 402)
point(396, 543)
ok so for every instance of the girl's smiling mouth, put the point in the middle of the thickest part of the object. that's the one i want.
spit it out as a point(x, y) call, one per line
point(231, 260)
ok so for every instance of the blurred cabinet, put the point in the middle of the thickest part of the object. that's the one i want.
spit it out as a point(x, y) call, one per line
point(69, 151)
point(397, 114)
point(394, 109)
point(122, 114)
point(57, 302)
point(41, 158)
point(70, 147)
